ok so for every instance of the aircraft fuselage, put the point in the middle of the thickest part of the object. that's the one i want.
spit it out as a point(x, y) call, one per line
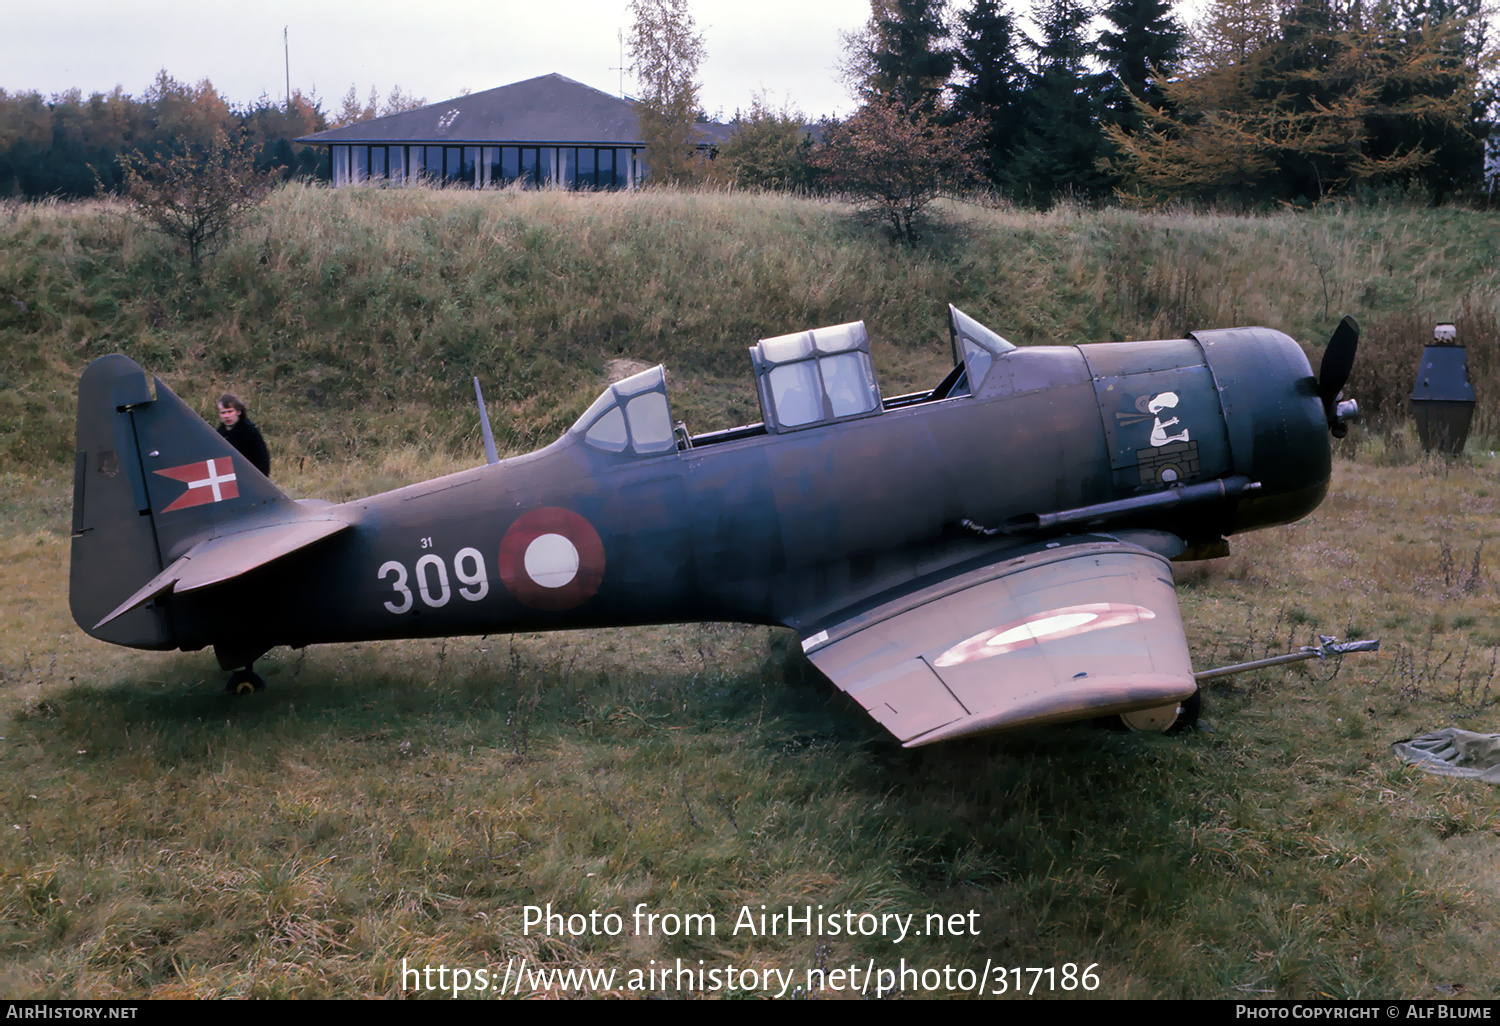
point(781, 528)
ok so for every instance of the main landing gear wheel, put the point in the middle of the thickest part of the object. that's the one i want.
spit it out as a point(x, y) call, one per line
point(1167, 718)
point(244, 682)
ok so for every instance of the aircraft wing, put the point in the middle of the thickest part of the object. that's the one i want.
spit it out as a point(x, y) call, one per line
point(1082, 627)
point(229, 555)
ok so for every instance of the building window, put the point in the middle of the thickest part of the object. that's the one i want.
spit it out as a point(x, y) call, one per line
point(569, 167)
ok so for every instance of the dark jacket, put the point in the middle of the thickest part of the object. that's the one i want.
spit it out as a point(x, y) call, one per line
point(245, 437)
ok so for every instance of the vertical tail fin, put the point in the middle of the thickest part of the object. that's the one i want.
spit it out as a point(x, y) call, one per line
point(150, 478)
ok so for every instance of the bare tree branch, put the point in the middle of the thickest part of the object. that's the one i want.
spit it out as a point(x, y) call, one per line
point(195, 199)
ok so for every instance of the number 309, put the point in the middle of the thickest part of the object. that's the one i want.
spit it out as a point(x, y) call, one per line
point(432, 580)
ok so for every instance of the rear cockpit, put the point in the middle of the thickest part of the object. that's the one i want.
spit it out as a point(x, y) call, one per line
point(817, 377)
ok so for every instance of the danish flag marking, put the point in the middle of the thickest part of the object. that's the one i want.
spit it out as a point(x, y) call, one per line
point(207, 481)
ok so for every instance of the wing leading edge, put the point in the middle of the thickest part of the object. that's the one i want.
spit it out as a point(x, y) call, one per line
point(1085, 627)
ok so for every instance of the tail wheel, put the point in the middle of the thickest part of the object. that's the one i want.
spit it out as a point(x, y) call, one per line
point(244, 682)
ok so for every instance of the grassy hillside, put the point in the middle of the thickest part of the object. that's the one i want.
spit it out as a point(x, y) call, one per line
point(403, 803)
point(354, 320)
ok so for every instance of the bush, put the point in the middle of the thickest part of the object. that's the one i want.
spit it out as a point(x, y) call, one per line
point(196, 198)
point(771, 150)
point(896, 160)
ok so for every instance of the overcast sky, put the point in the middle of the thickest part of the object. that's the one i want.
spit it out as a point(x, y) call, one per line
point(433, 49)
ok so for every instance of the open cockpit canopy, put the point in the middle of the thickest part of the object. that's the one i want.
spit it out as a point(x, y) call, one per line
point(631, 416)
point(815, 377)
point(975, 347)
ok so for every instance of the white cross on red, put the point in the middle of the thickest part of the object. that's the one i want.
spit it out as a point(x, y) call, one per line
point(214, 480)
point(207, 481)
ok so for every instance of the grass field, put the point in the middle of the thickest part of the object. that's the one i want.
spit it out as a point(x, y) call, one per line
point(404, 803)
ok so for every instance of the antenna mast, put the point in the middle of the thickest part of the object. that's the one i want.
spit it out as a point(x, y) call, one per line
point(287, 53)
point(620, 35)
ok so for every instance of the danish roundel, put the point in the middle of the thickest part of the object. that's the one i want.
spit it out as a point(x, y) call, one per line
point(1043, 627)
point(551, 558)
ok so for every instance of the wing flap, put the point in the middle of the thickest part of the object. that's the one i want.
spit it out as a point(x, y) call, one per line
point(227, 556)
point(909, 697)
point(1086, 628)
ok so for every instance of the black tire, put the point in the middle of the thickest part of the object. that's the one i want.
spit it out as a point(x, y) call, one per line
point(244, 682)
point(1192, 711)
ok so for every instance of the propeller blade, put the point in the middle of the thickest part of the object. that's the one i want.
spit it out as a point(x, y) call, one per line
point(1338, 361)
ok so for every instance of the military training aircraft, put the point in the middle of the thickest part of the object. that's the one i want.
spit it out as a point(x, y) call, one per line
point(989, 554)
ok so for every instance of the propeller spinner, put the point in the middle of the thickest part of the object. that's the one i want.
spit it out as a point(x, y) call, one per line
point(1333, 374)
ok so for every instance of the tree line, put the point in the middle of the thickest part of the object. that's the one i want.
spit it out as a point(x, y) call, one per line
point(1260, 100)
point(70, 146)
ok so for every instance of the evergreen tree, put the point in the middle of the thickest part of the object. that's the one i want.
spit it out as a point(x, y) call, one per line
point(185, 116)
point(269, 128)
point(71, 147)
point(901, 56)
point(351, 111)
point(992, 86)
point(1312, 101)
point(1063, 144)
point(1452, 33)
point(1145, 44)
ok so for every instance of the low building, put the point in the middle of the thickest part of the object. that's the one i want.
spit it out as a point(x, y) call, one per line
point(548, 130)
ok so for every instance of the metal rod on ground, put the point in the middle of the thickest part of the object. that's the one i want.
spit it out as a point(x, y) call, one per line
point(1328, 647)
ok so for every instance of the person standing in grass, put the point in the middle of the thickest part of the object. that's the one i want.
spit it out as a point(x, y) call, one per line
point(238, 431)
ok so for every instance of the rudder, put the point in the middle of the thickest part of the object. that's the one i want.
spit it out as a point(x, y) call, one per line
point(150, 479)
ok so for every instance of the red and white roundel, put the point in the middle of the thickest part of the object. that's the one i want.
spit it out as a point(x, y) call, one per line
point(552, 559)
point(1039, 627)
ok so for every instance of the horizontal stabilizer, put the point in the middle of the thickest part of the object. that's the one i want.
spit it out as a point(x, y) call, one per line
point(228, 556)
